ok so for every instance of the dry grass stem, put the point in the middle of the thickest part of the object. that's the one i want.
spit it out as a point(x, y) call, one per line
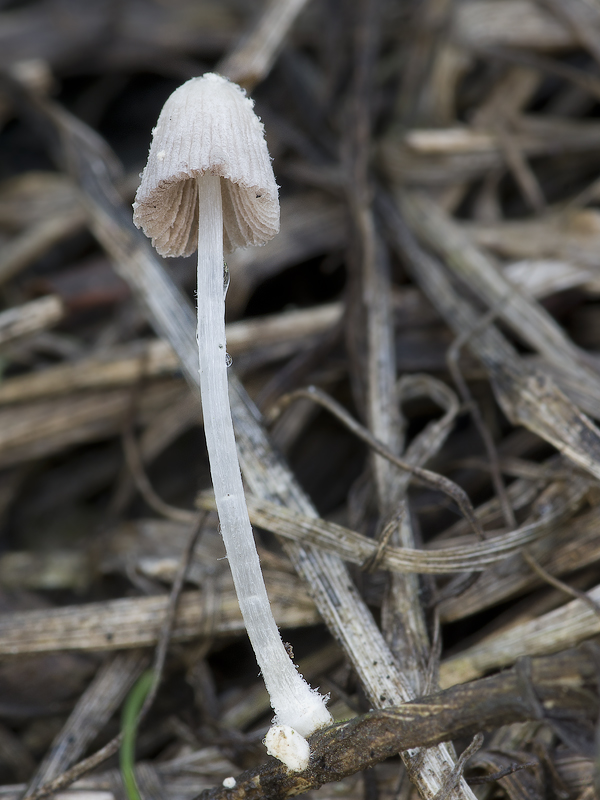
point(426, 512)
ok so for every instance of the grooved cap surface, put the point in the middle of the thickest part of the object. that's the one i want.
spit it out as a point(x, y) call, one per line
point(207, 125)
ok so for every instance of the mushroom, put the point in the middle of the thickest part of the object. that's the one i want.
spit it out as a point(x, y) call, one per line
point(209, 169)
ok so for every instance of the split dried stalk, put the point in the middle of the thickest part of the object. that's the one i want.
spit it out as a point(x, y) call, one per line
point(93, 710)
point(521, 493)
point(125, 365)
point(564, 627)
point(136, 622)
point(518, 23)
point(370, 300)
point(455, 156)
point(581, 18)
point(35, 240)
point(527, 396)
point(571, 546)
point(424, 476)
point(54, 784)
point(32, 317)
point(33, 430)
point(348, 747)
point(567, 236)
point(527, 318)
point(251, 60)
point(358, 549)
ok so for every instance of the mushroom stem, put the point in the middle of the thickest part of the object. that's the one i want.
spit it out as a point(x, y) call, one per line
point(294, 702)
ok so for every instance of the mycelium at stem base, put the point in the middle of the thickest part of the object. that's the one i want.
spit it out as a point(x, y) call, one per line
point(294, 702)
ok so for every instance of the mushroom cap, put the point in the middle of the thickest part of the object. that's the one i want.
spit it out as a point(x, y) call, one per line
point(207, 125)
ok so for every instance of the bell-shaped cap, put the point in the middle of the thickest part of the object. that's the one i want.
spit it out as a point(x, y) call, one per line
point(207, 125)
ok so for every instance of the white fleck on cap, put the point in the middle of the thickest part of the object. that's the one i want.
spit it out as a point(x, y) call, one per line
point(207, 125)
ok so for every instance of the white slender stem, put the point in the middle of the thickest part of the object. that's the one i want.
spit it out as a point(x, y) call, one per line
point(294, 702)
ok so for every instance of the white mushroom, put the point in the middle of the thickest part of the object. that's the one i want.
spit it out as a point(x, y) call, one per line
point(209, 175)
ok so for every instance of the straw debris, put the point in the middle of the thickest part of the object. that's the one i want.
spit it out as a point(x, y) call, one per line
point(414, 388)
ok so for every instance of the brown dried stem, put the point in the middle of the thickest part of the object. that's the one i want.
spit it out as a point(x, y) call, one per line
point(558, 683)
point(423, 476)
